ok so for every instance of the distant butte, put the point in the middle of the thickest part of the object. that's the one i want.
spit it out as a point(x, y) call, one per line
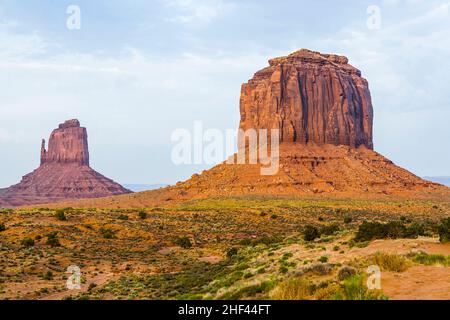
point(64, 172)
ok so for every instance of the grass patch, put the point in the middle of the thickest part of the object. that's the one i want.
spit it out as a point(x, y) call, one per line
point(431, 259)
point(389, 262)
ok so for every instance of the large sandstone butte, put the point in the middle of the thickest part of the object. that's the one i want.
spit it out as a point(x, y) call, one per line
point(310, 97)
point(323, 108)
point(64, 172)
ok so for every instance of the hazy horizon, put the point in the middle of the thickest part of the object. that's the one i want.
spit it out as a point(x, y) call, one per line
point(135, 72)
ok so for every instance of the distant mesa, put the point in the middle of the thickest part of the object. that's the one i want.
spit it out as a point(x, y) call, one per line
point(64, 172)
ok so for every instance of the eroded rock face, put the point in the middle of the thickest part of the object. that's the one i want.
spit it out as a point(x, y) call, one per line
point(67, 144)
point(310, 97)
point(64, 172)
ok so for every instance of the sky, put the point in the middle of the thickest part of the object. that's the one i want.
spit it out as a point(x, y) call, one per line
point(137, 70)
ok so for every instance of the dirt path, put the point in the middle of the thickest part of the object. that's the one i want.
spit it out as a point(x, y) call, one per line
point(418, 283)
point(99, 280)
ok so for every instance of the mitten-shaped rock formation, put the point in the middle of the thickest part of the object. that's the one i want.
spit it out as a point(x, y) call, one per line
point(68, 144)
point(64, 172)
point(310, 97)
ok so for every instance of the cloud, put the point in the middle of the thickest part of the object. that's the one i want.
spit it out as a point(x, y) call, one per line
point(194, 11)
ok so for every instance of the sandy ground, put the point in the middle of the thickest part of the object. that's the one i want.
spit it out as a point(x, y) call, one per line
point(99, 280)
point(418, 283)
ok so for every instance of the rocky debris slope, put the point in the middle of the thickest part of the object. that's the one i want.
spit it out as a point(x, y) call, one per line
point(64, 172)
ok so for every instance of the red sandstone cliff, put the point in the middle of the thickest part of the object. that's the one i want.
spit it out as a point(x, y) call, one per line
point(64, 172)
point(310, 97)
point(67, 144)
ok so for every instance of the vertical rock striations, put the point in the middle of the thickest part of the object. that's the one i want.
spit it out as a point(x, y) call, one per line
point(64, 172)
point(310, 97)
point(67, 144)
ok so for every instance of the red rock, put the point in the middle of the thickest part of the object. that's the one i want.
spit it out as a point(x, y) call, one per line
point(64, 172)
point(310, 97)
point(68, 144)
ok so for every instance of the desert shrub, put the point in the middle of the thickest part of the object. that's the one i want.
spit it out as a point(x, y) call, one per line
point(389, 262)
point(431, 259)
point(414, 231)
point(183, 242)
point(48, 275)
point(355, 288)
point(346, 272)
point(310, 233)
point(294, 289)
point(326, 292)
point(348, 219)
point(52, 239)
point(92, 285)
point(330, 229)
point(61, 215)
point(319, 268)
point(267, 240)
point(245, 242)
point(392, 230)
point(444, 230)
point(27, 242)
point(231, 252)
point(283, 269)
point(123, 217)
point(142, 214)
point(2, 227)
point(323, 259)
point(107, 233)
point(249, 291)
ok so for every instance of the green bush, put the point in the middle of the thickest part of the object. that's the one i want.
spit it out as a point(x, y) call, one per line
point(348, 219)
point(123, 217)
point(355, 288)
point(346, 272)
point(52, 239)
point(368, 231)
point(330, 229)
point(415, 230)
point(444, 230)
point(61, 215)
point(2, 227)
point(142, 214)
point(231, 252)
point(107, 233)
point(245, 242)
point(183, 242)
point(27, 242)
point(310, 233)
point(48, 275)
point(267, 240)
point(431, 259)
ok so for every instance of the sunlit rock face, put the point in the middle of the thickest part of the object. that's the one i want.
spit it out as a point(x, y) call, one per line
point(310, 97)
